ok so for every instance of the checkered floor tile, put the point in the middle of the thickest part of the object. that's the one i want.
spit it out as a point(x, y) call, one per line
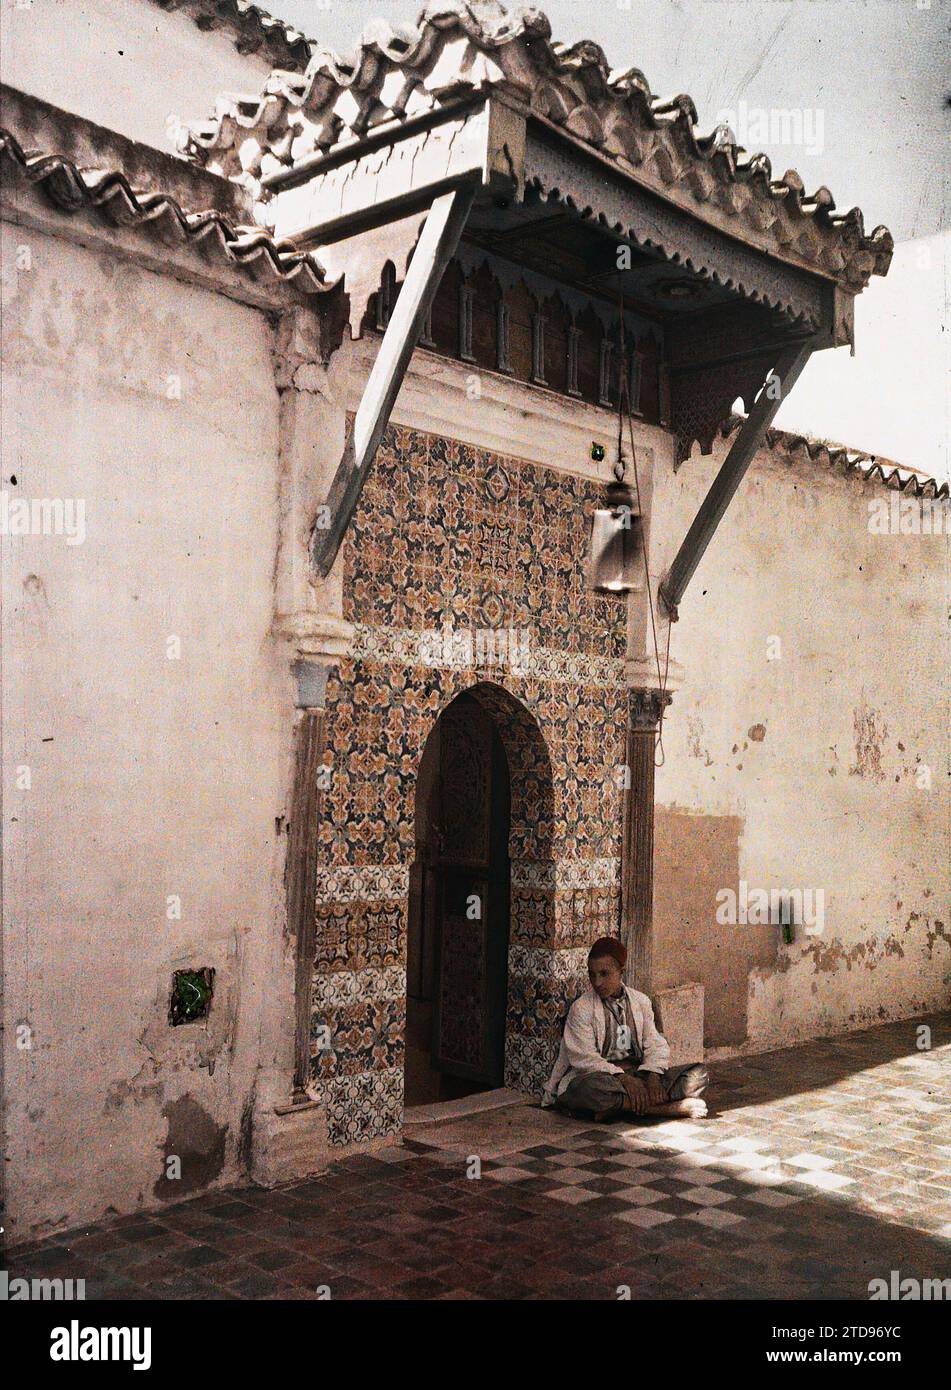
point(821, 1168)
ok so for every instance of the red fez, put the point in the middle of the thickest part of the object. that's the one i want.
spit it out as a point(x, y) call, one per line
point(609, 946)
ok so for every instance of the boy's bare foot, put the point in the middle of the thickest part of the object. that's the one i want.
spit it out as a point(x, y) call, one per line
point(692, 1107)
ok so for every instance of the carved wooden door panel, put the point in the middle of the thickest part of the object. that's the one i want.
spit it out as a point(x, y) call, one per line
point(472, 895)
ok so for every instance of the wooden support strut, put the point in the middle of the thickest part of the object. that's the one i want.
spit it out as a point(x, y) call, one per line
point(434, 250)
point(788, 367)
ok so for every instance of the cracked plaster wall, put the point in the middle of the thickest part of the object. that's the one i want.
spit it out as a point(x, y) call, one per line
point(150, 776)
point(805, 770)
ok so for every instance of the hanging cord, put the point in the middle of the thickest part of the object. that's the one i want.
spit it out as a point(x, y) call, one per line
point(624, 393)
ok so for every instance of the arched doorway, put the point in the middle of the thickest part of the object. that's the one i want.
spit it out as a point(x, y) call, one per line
point(458, 938)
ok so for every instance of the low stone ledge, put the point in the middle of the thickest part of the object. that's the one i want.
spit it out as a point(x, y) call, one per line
point(680, 1018)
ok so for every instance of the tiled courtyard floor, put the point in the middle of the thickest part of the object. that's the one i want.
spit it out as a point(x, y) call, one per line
point(825, 1166)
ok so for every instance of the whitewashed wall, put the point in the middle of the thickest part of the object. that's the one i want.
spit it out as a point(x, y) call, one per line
point(125, 64)
point(149, 776)
point(153, 402)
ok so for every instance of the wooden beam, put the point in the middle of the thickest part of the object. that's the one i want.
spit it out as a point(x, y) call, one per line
point(350, 224)
point(435, 248)
point(301, 881)
point(314, 165)
point(391, 180)
point(788, 367)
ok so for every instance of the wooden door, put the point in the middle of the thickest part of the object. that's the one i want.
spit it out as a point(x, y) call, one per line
point(470, 885)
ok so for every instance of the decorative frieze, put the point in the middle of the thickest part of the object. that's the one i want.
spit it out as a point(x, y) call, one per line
point(507, 318)
point(361, 883)
point(566, 873)
point(461, 649)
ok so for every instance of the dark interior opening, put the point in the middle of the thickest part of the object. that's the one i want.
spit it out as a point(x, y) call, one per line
point(457, 947)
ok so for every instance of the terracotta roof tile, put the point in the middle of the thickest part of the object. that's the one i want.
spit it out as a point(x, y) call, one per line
point(460, 46)
point(872, 467)
point(110, 195)
point(252, 29)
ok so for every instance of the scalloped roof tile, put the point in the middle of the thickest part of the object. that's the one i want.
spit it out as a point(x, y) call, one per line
point(109, 194)
point(873, 468)
point(459, 46)
point(252, 29)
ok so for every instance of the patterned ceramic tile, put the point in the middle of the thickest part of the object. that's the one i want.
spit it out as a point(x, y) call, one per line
point(528, 1063)
point(465, 570)
point(338, 988)
point(352, 935)
point(365, 1105)
point(367, 883)
point(567, 873)
point(359, 1037)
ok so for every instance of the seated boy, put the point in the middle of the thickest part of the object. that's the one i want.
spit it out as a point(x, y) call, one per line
point(612, 1060)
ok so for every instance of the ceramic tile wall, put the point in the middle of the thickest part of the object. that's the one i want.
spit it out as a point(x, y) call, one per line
point(464, 570)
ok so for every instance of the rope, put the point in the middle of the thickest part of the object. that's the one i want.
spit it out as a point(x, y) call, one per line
point(624, 392)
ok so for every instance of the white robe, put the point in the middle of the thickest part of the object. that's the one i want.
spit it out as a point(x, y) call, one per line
point(583, 1039)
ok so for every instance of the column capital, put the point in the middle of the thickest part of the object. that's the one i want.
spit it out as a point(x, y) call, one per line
point(318, 643)
point(645, 707)
point(640, 673)
point(316, 636)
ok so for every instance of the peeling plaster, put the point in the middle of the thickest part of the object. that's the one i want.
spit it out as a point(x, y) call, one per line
point(195, 1139)
point(695, 744)
point(870, 734)
point(135, 1091)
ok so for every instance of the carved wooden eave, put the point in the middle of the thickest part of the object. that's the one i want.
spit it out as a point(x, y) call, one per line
point(460, 48)
point(744, 296)
point(564, 167)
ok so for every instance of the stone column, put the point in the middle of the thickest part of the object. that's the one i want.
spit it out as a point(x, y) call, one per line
point(637, 846)
point(310, 778)
point(289, 1128)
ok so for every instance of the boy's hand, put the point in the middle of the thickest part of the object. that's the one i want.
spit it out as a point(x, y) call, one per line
point(637, 1094)
point(656, 1095)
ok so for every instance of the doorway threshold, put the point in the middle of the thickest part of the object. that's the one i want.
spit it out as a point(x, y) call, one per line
point(458, 1109)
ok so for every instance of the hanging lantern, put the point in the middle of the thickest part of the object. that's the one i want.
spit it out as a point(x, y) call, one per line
point(617, 566)
point(617, 556)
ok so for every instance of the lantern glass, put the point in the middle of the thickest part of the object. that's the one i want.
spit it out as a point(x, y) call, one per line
point(616, 539)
